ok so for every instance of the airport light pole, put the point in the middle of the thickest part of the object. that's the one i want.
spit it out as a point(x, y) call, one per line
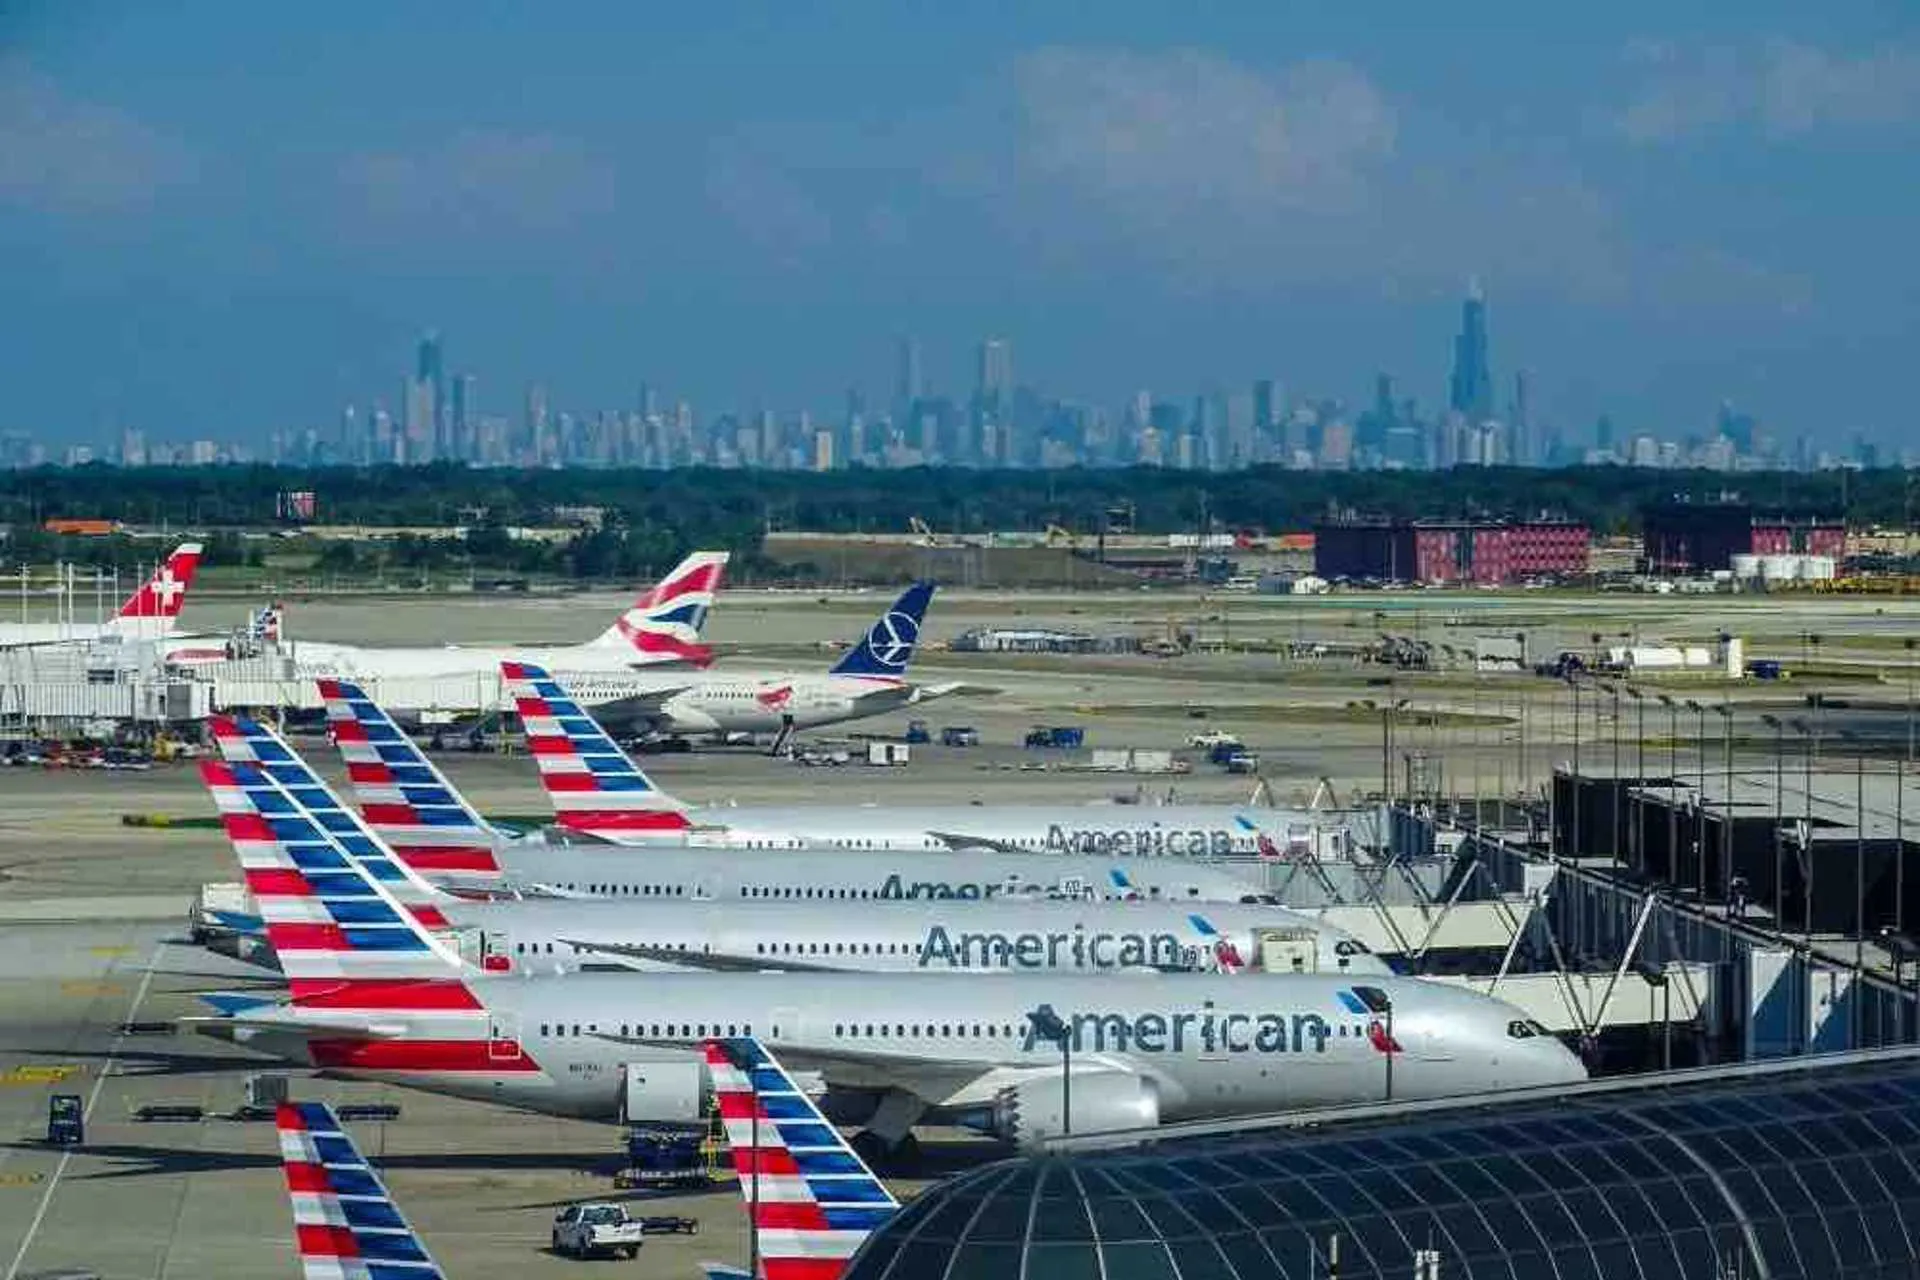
point(1779, 816)
point(1047, 1025)
point(1673, 783)
point(1700, 808)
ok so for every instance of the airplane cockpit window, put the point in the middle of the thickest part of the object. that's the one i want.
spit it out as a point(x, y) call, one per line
point(1374, 998)
point(1351, 947)
point(1525, 1029)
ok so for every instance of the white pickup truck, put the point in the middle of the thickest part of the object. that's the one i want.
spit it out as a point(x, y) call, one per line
point(589, 1230)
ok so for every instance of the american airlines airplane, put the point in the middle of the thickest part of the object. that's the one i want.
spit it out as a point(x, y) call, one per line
point(459, 850)
point(547, 937)
point(597, 790)
point(811, 1200)
point(149, 613)
point(663, 626)
point(373, 994)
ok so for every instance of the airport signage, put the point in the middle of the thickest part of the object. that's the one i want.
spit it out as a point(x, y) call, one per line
point(1076, 949)
point(1205, 1030)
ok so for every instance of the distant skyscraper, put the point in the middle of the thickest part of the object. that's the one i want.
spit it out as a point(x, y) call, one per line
point(1525, 449)
point(460, 418)
point(430, 368)
point(1471, 394)
point(996, 371)
point(910, 382)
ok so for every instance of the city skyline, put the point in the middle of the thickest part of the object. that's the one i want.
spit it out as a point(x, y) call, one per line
point(215, 223)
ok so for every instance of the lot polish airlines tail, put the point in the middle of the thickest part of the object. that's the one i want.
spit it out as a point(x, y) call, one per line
point(812, 1199)
point(884, 652)
point(408, 801)
point(345, 1224)
point(664, 625)
point(595, 787)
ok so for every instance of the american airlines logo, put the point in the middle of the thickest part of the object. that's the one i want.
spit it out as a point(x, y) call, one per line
point(1205, 1030)
point(1078, 948)
point(1146, 841)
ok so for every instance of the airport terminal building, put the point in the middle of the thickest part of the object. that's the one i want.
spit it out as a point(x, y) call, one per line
point(1805, 1170)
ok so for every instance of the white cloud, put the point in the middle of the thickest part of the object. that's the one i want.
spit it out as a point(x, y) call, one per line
point(484, 182)
point(1781, 89)
point(61, 154)
point(1161, 137)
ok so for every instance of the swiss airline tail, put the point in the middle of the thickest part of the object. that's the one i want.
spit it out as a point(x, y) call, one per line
point(153, 609)
point(812, 1199)
point(664, 625)
point(595, 787)
point(345, 1224)
point(409, 802)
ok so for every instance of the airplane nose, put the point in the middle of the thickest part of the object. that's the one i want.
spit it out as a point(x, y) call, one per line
point(1561, 1065)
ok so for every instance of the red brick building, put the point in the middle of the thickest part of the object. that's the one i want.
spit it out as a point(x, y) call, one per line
point(1697, 537)
point(1450, 551)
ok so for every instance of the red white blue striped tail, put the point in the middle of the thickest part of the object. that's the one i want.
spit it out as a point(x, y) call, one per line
point(812, 1199)
point(664, 625)
point(594, 786)
point(405, 798)
point(345, 1224)
point(248, 742)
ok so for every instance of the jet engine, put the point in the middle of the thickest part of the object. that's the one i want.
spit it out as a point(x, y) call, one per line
point(1103, 1102)
point(664, 1092)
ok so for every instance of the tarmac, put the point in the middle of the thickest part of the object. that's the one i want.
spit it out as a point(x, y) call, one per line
point(94, 911)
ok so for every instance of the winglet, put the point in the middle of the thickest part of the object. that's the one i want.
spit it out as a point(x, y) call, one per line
point(594, 786)
point(664, 625)
point(408, 801)
point(813, 1199)
point(888, 646)
point(345, 1224)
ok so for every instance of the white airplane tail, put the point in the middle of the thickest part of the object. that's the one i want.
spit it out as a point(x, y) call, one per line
point(154, 609)
point(665, 624)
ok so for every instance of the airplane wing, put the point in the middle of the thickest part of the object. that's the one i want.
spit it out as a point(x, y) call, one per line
point(225, 1026)
point(705, 961)
point(933, 1079)
point(960, 842)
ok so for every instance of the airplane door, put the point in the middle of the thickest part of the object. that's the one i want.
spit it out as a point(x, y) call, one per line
point(503, 1037)
point(496, 955)
point(1288, 951)
point(468, 942)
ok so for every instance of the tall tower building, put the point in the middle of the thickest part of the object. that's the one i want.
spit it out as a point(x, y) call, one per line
point(910, 381)
point(996, 371)
point(1471, 394)
point(430, 371)
point(460, 418)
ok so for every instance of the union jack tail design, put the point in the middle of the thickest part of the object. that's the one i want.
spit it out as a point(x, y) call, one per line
point(345, 1224)
point(153, 609)
point(405, 798)
point(813, 1201)
point(664, 625)
point(595, 787)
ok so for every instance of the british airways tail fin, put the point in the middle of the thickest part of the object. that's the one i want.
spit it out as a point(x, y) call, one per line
point(888, 646)
point(594, 786)
point(664, 625)
point(155, 607)
point(405, 798)
point(813, 1199)
point(345, 1224)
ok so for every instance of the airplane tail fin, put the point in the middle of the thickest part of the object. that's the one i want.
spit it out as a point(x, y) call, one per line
point(153, 609)
point(406, 799)
point(665, 624)
point(888, 646)
point(1223, 954)
point(266, 625)
point(817, 1200)
point(594, 786)
point(345, 1223)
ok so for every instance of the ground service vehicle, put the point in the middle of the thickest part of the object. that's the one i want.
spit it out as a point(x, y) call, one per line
point(66, 1120)
point(589, 1230)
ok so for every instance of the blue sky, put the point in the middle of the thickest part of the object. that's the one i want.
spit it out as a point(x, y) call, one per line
point(220, 219)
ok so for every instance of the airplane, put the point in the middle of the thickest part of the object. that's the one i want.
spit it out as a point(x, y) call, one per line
point(868, 680)
point(558, 936)
point(374, 994)
point(345, 1223)
point(152, 611)
point(696, 893)
point(663, 626)
point(596, 789)
point(811, 1200)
